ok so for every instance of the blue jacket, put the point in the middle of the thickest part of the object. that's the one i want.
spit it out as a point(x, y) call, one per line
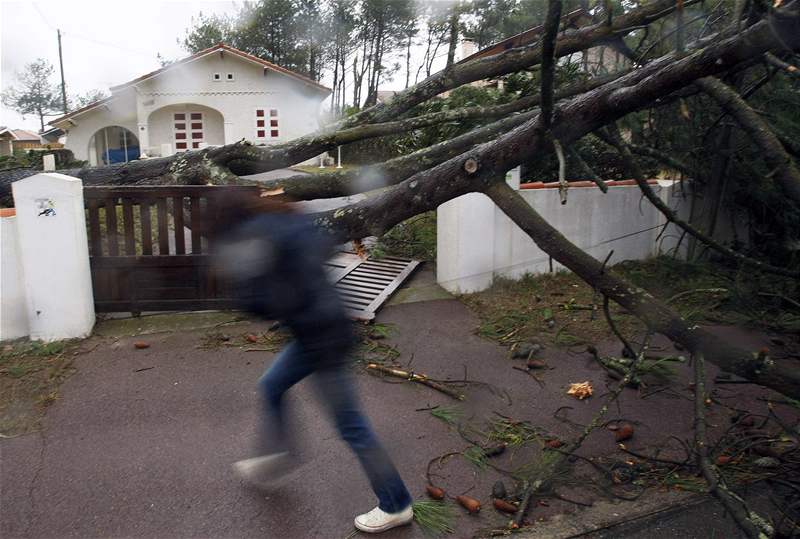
point(275, 262)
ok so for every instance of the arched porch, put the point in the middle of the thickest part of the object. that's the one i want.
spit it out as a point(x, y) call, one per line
point(184, 127)
point(113, 144)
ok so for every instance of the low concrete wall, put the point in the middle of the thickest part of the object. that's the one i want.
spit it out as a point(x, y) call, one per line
point(13, 314)
point(476, 241)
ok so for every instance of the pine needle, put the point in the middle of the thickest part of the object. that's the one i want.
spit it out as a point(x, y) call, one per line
point(448, 415)
point(434, 517)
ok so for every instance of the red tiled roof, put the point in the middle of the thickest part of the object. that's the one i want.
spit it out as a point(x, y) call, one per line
point(81, 110)
point(232, 50)
point(195, 56)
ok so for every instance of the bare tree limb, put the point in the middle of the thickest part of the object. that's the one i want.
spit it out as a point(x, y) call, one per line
point(513, 60)
point(754, 525)
point(616, 140)
point(785, 67)
point(784, 171)
point(549, 36)
point(591, 174)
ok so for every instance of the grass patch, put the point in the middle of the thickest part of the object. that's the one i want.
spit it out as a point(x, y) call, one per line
point(30, 375)
point(434, 517)
point(562, 310)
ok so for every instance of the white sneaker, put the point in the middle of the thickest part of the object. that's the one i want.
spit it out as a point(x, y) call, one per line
point(377, 521)
point(264, 468)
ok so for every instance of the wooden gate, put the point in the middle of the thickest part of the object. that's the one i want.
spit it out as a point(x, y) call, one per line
point(147, 249)
point(148, 252)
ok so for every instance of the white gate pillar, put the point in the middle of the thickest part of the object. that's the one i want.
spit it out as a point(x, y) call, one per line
point(54, 254)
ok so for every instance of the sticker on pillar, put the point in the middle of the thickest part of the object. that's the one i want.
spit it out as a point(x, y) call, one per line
point(45, 207)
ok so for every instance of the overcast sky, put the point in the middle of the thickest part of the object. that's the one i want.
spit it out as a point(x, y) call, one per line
point(104, 42)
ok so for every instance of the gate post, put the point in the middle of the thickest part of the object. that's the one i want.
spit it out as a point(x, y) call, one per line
point(54, 255)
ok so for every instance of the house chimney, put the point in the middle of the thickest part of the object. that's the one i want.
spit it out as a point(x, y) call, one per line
point(468, 48)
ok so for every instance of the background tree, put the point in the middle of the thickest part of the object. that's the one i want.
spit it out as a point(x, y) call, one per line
point(81, 100)
point(35, 93)
point(206, 31)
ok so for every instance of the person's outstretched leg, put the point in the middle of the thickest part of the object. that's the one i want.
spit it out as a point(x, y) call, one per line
point(273, 447)
point(394, 501)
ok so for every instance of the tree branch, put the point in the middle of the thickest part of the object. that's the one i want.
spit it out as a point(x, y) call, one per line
point(785, 67)
point(783, 168)
point(755, 526)
point(512, 60)
point(549, 36)
point(615, 140)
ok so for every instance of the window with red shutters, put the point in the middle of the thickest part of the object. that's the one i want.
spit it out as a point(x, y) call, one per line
point(183, 131)
point(273, 131)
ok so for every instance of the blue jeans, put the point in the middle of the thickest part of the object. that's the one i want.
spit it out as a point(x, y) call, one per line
point(334, 384)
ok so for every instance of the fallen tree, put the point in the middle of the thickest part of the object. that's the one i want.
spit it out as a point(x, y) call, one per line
point(518, 133)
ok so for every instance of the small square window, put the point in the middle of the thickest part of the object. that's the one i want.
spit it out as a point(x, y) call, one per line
point(261, 133)
point(259, 123)
point(273, 133)
point(217, 77)
point(197, 116)
point(180, 145)
point(197, 125)
point(195, 144)
point(273, 123)
point(260, 112)
point(180, 126)
point(230, 76)
point(273, 112)
point(180, 116)
point(198, 134)
point(180, 136)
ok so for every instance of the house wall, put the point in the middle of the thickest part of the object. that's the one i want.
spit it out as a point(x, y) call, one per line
point(161, 129)
point(253, 87)
point(477, 242)
point(5, 146)
point(120, 111)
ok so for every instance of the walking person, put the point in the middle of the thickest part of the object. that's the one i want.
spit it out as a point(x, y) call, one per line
point(274, 257)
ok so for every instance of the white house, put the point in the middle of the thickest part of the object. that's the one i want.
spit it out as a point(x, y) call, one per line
point(217, 96)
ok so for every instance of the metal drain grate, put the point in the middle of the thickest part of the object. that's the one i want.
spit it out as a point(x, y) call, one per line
point(364, 285)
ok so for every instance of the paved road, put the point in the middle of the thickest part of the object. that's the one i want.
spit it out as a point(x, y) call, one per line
point(140, 442)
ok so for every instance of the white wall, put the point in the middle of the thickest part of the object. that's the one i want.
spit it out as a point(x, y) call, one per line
point(13, 312)
point(253, 87)
point(476, 241)
point(162, 132)
point(54, 255)
point(192, 83)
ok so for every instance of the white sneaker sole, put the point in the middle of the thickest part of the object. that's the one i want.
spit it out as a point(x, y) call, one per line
point(265, 469)
point(394, 523)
